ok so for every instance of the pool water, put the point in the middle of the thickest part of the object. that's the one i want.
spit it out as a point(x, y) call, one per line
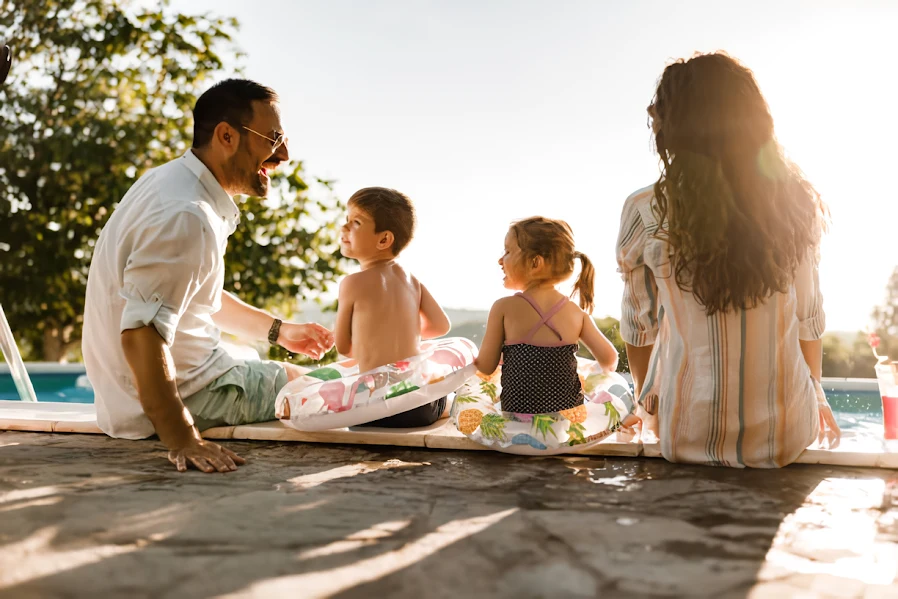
point(853, 409)
point(63, 387)
point(857, 409)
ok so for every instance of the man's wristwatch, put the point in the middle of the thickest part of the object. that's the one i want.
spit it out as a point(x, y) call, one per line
point(274, 331)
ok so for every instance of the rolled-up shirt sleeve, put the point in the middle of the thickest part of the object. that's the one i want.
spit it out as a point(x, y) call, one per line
point(639, 305)
point(809, 307)
point(166, 267)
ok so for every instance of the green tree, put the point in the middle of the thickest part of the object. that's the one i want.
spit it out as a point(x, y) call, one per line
point(847, 357)
point(286, 246)
point(100, 92)
point(844, 356)
point(836, 357)
point(885, 315)
point(862, 359)
point(885, 319)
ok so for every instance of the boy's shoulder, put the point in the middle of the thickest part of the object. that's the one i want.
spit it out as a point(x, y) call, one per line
point(351, 277)
point(407, 278)
point(395, 276)
point(351, 283)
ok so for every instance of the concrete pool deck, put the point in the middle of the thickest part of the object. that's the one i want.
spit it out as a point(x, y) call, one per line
point(858, 448)
point(86, 515)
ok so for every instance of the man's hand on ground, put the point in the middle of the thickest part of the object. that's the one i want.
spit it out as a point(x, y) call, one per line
point(154, 376)
point(310, 339)
point(206, 456)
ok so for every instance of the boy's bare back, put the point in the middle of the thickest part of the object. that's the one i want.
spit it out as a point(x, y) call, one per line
point(386, 324)
point(383, 311)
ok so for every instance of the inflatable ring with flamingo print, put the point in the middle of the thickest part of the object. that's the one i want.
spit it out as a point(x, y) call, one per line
point(338, 395)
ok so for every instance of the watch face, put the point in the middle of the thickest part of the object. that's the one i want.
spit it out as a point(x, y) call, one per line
point(5, 62)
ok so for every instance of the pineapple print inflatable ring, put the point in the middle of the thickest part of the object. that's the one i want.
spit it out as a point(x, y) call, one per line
point(477, 413)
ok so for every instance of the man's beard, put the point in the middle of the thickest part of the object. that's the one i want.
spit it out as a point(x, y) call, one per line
point(258, 184)
point(247, 179)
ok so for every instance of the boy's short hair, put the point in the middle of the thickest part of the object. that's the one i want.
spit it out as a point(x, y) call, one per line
point(391, 210)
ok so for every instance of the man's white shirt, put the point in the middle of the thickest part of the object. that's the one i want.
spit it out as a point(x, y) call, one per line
point(159, 262)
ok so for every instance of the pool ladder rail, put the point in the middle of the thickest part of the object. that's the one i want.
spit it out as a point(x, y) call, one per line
point(14, 359)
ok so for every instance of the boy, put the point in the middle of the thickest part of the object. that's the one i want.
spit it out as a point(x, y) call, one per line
point(384, 311)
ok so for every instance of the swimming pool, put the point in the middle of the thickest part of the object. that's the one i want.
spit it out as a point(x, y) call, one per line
point(856, 402)
point(857, 409)
point(70, 385)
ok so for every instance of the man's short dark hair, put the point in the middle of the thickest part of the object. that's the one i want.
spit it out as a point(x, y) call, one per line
point(230, 101)
point(391, 210)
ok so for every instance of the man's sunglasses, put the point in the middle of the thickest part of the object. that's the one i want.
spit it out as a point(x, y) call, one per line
point(276, 143)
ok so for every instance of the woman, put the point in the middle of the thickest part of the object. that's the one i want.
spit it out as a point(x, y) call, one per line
point(722, 312)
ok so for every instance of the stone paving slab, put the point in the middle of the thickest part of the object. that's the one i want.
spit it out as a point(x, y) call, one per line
point(86, 515)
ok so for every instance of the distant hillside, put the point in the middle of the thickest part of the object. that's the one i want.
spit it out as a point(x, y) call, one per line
point(472, 330)
point(457, 316)
point(467, 323)
point(461, 316)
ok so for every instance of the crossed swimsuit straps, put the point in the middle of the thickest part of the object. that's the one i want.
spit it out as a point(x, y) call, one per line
point(537, 379)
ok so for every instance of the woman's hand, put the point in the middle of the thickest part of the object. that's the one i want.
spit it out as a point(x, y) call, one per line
point(649, 424)
point(829, 430)
point(829, 434)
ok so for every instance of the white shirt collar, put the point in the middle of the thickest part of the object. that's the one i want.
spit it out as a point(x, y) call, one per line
point(222, 203)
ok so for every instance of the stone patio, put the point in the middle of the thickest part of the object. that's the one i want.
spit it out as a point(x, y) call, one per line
point(84, 515)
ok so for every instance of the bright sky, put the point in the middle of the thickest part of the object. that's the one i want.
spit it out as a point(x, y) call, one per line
point(487, 111)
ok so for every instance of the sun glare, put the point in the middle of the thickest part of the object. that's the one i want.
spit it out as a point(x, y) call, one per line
point(842, 137)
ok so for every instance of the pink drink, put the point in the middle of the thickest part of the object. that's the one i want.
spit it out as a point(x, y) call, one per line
point(890, 416)
point(887, 377)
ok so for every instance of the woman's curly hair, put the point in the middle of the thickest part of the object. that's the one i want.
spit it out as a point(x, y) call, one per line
point(738, 216)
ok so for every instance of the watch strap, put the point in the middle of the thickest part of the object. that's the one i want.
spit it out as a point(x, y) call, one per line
point(275, 331)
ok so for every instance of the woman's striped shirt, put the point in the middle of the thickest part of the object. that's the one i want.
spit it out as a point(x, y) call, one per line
point(732, 388)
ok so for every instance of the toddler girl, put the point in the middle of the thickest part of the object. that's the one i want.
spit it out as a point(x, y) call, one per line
point(537, 331)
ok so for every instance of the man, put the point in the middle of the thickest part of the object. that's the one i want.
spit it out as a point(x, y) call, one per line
point(155, 303)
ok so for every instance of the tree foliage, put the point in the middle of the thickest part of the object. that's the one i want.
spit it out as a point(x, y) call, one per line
point(100, 92)
point(885, 315)
point(847, 358)
point(885, 320)
point(285, 247)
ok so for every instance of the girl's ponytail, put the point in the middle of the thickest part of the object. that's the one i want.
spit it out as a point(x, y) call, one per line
point(585, 285)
